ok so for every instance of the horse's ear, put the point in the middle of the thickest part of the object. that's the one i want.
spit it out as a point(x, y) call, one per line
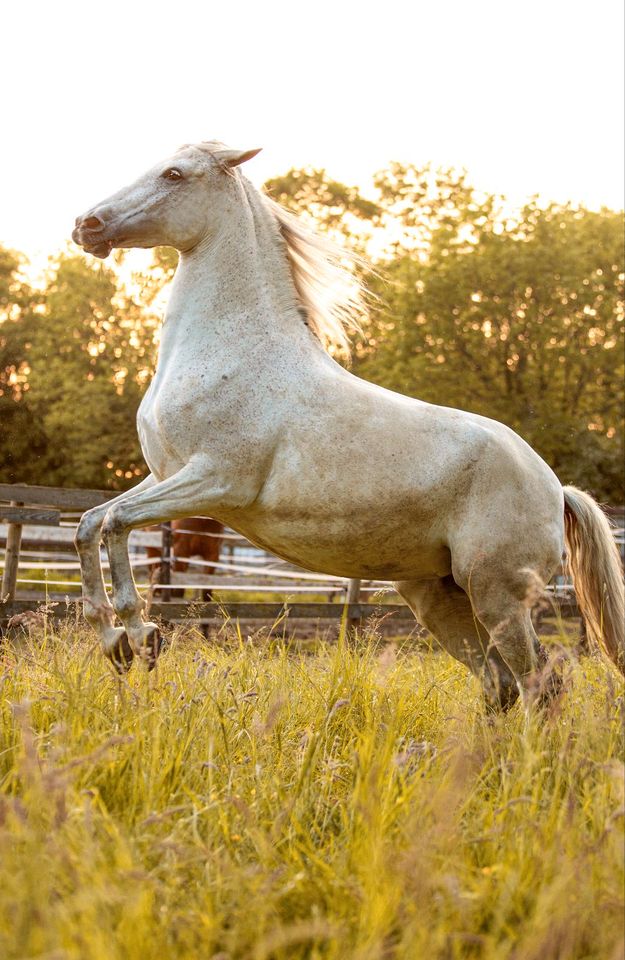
point(232, 158)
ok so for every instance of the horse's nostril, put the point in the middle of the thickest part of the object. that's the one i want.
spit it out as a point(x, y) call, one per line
point(93, 223)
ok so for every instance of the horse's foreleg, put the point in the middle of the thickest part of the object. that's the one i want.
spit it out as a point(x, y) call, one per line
point(97, 609)
point(184, 493)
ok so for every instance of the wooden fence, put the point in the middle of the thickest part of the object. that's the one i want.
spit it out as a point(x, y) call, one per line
point(39, 525)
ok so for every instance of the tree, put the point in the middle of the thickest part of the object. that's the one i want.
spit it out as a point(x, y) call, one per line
point(82, 357)
point(429, 206)
point(326, 203)
point(153, 283)
point(22, 441)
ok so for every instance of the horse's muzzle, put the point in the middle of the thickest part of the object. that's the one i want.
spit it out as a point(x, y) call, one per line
point(88, 234)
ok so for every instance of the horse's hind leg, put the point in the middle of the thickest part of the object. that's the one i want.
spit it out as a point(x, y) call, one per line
point(502, 599)
point(445, 610)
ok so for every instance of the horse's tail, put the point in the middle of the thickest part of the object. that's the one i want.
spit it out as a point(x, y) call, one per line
point(595, 565)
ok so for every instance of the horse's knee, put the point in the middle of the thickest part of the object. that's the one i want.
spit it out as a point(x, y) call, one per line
point(499, 594)
point(113, 523)
point(88, 528)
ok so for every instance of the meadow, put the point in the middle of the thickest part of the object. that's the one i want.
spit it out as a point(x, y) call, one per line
point(261, 799)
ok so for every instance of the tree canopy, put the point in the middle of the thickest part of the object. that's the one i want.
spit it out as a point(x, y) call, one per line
point(74, 360)
point(524, 325)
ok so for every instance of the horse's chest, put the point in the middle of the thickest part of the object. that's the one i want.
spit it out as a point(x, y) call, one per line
point(171, 421)
point(189, 414)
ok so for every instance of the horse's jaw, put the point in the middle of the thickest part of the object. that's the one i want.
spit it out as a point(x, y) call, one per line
point(99, 249)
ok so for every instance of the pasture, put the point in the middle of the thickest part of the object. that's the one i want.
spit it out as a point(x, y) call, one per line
point(256, 799)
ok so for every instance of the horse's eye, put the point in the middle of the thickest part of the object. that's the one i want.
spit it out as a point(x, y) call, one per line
point(172, 174)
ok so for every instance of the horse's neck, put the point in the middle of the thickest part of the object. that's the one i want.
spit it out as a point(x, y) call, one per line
point(234, 291)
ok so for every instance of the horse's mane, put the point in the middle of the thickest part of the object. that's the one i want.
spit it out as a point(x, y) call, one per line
point(328, 289)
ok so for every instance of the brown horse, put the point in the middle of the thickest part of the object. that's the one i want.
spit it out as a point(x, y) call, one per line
point(192, 537)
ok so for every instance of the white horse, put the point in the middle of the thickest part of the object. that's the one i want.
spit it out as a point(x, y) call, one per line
point(249, 420)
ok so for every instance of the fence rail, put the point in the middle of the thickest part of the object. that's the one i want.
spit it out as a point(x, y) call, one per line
point(174, 611)
point(75, 499)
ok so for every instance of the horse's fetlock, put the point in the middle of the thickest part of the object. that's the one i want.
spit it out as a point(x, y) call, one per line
point(127, 606)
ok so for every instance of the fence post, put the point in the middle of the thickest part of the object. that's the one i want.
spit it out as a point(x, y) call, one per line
point(12, 557)
point(165, 571)
point(353, 596)
point(353, 591)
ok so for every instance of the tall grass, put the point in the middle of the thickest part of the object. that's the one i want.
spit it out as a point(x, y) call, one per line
point(251, 801)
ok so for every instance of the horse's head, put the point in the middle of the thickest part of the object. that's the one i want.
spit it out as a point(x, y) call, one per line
point(173, 204)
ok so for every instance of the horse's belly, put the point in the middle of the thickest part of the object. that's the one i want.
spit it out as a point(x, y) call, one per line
point(364, 548)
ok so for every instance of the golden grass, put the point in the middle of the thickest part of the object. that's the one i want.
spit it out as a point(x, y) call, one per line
point(251, 801)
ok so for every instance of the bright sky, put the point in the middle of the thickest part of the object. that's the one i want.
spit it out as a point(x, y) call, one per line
point(526, 94)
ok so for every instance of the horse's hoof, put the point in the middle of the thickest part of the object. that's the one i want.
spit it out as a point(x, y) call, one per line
point(151, 647)
point(551, 684)
point(501, 700)
point(122, 654)
point(501, 691)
